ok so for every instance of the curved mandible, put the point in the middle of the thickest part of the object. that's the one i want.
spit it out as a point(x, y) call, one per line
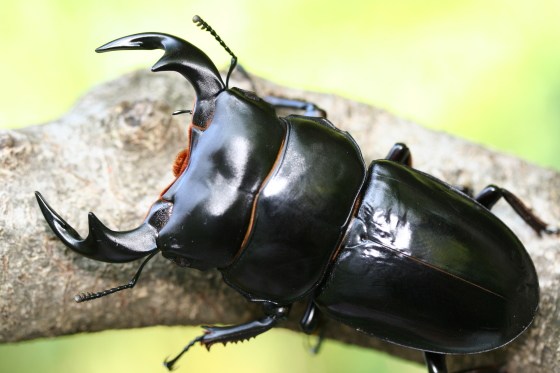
point(107, 245)
point(186, 59)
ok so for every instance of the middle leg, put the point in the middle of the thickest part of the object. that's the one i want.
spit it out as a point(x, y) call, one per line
point(235, 333)
point(311, 324)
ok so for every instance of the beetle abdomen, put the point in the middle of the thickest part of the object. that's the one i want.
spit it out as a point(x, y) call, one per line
point(427, 267)
point(301, 213)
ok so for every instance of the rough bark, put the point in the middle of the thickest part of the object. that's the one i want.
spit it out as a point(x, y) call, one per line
point(112, 153)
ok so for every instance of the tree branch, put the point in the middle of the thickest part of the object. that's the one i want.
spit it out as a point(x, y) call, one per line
point(113, 152)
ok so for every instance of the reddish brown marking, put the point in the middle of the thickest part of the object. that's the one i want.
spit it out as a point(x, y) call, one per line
point(181, 161)
point(254, 209)
point(355, 210)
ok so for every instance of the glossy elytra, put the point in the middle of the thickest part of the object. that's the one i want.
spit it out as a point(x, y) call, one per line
point(285, 208)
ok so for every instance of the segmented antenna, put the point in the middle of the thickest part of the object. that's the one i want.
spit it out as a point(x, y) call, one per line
point(205, 26)
point(177, 112)
point(84, 297)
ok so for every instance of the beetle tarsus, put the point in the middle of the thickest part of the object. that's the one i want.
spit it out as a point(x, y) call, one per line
point(169, 364)
point(237, 333)
point(314, 348)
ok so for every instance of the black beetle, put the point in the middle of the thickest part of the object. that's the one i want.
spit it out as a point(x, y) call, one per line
point(285, 208)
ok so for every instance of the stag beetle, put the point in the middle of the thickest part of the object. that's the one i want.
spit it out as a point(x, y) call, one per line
point(285, 208)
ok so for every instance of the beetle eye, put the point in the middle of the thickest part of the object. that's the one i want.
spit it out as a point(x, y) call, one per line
point(182, 262)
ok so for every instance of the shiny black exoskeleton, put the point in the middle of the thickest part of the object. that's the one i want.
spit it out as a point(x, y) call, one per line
point(285, 208)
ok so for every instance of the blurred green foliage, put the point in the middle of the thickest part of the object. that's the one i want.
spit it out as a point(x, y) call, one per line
point(143, 351)
point(487, 70)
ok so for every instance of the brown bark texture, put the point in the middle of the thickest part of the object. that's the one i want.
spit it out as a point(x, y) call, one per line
point(112, 154)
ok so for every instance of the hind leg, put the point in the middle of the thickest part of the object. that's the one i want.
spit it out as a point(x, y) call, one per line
point(400, 153)
point(492, 193)
point(311, 324)
point(235, 333)
point(436, 364)
point(488, 197)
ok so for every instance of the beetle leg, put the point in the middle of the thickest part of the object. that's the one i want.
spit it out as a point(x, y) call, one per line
point(246, 75)
point(311, 322)
point(400, 153)
point(466, 190)
point(491, 194)
point(435, 362)
point(236, 333)
point(311, 110)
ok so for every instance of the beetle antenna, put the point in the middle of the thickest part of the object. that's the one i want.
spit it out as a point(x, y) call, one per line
point(89, 296)
point(205, 26)
point(177, 112)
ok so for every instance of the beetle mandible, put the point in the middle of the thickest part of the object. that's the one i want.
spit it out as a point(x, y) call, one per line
point(286, 208)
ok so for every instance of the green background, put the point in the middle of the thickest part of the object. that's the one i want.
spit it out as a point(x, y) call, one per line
point(487, 70)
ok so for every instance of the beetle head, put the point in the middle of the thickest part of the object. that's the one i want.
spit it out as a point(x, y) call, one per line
point(204, 218)
point(217, 176)
point(102, 243)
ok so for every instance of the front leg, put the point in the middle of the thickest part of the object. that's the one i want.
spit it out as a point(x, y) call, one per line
point(311, 324)
point(235, 333)
point(311, 110)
